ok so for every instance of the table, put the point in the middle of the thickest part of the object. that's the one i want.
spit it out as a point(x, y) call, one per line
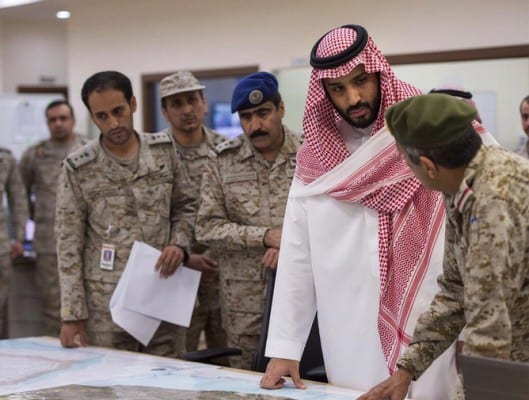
point(39, 368)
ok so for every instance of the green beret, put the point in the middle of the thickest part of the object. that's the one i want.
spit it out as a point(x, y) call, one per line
point(429, 120)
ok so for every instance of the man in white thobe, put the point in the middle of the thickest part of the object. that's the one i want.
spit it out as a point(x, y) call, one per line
point(362, 238)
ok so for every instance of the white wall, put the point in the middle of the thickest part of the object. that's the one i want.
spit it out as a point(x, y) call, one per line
point(138, 37)
point(498, 87)
point(32, 49)
point(149, 36)
point(1, 58)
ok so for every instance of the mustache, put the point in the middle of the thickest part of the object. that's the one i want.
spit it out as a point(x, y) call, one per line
point(257, 133)
point(357, 106)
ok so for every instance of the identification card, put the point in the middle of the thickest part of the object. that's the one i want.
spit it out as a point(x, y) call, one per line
point(108, 251)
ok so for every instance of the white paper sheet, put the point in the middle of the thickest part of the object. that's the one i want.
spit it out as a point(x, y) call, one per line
point(141, 326)
point(142, 298)
point(171, 299)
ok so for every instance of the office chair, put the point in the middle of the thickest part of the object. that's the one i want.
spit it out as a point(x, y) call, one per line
point(311, 365)
point(491, 379)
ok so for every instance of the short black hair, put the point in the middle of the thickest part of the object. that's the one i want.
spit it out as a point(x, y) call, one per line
point(455, 154)
point(106, 80)
point(525, 99)
point(57, 103)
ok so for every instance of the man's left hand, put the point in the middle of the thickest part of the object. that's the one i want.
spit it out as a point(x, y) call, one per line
point(206, 265)
point(169, 261)
point(270, 258)
point(17, 249)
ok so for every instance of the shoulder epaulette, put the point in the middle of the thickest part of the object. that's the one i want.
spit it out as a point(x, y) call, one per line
point(298, 137)
point(219, 140)
point(40, 143)
point(83, 139)
point(301, 138)
point(83, 155)
point(157, 138)
point(228, 144)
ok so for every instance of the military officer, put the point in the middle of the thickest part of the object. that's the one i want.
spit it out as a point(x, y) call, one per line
point(122, 187)
point(242, 203)
point(184, 106)
point(484, 293)
point(11, 185)
point(523, 149)
point(40, 168)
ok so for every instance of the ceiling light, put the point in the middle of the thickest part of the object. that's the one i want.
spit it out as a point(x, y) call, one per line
point(15, 3)
point(63, 14)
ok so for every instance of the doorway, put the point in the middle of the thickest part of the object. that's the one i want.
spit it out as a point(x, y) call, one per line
point(219, 88)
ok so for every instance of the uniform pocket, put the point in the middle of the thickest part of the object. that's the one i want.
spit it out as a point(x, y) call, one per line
point(244, 304)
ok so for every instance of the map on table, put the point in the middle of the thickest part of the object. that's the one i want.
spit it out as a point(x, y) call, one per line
point(39, 368)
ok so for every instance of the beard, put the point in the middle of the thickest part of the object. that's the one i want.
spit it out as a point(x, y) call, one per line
point(365, 120)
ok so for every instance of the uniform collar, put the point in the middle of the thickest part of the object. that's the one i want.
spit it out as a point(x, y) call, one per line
point(209, 140)
point(115, 172)
point(465, 188)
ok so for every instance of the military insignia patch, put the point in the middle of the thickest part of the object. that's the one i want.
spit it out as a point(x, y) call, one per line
point(255, 96)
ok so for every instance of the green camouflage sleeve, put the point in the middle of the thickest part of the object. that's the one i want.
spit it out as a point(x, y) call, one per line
point(493, 274)
point(213, 226)
point(70, 230)
point(183, 208)
point(491, 253)
point(17, 200)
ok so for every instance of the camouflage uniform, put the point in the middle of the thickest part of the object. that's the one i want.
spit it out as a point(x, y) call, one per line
point(12, 186)
point(485, 282)
point(40, 166)
point(102, 202)
point(242, 196)
point(206, 315)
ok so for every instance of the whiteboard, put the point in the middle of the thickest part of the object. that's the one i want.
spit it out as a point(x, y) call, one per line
point(23, 121)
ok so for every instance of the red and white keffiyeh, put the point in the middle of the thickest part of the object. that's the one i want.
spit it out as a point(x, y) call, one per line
point(410, 216)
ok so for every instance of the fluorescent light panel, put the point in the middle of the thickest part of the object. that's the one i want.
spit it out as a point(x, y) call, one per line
point(14, 3)
point(64, 14)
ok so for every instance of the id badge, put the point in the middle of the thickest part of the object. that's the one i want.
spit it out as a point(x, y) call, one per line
point(108, 251)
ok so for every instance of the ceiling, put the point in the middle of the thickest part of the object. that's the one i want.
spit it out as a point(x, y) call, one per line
point(42, 10)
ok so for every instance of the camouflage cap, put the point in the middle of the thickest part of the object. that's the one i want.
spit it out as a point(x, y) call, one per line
point(429, 120)
point(181, 81)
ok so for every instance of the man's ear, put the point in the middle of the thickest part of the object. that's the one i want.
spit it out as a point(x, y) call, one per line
point(133, 104)
point(281, 108)
point(429, 166)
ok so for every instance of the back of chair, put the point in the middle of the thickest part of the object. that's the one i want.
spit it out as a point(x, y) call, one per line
point(311, 364)
point(492, 379)
point(259, 361)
